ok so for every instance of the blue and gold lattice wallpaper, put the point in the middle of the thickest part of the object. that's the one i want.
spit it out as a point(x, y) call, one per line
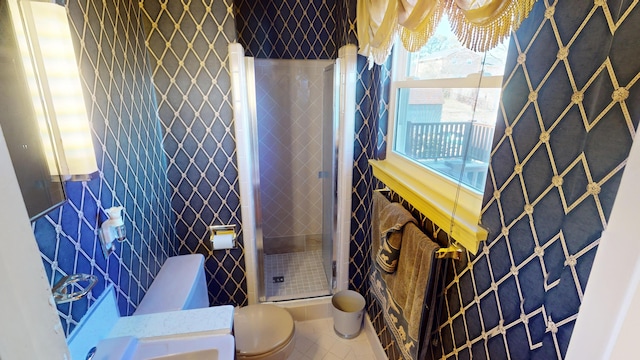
point(187, 57)
point(289, 29)
point(126, 134)
point(568, 117)
point(554, 170)
point(187, 46)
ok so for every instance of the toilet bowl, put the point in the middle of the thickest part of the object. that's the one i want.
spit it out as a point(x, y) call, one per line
point(263, 332)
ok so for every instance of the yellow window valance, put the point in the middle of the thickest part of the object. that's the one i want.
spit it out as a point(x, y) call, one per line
point(479, 24)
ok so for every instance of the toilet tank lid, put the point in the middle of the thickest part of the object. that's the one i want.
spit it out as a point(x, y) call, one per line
point(172, 287)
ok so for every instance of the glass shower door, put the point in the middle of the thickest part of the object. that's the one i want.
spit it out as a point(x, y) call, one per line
point(329, 168)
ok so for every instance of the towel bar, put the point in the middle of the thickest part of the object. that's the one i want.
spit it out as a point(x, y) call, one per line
point(452, 252)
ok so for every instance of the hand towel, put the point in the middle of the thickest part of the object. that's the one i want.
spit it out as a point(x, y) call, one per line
point(393, 217)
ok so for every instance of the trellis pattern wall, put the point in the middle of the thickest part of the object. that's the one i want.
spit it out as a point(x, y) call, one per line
point(346, 20)
point(187, 45)
point(290, 29)
point(568, 116)
point(126, 134)
point(372, 96)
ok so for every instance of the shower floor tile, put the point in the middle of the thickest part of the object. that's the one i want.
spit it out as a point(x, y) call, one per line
point(303, 274)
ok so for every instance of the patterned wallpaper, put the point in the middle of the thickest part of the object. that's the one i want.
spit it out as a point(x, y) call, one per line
point(126, 134)
point(346, 21)
point(568, 117)
point(290, 29)
point(372, 96)
point(186, 57)
point(187, 46)
point(569, 91)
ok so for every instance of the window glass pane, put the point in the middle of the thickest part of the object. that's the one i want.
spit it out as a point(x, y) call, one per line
point(437, 127)
point(444, 57)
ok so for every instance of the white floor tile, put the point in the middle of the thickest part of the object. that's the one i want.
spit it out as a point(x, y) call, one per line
point(316, 340)
point(297, 355)
point(331, 356)
point(340, 349)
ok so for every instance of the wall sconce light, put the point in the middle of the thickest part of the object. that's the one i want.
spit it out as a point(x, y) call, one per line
point(54, 82)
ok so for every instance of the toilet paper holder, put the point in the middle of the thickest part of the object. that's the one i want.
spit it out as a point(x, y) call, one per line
point(222, 233)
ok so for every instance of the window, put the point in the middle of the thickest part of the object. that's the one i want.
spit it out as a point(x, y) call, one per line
point(444, 103)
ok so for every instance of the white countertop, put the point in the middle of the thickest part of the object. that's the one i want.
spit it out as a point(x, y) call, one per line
point(212, 320)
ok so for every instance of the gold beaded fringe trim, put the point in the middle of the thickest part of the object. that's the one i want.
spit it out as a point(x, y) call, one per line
point(489, 33)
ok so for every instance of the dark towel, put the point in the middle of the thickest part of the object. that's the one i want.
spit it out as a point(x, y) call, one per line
point(393, 217)
point(402, 294)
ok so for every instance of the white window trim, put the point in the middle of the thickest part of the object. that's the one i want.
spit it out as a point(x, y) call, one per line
point(431, 193)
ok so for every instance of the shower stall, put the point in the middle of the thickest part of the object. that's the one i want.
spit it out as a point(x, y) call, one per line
point(295, 163)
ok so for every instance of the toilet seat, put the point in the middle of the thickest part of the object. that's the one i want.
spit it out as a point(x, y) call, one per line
point(263, 331)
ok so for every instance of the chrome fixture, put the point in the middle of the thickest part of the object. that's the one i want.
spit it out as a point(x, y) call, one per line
point(112, 229)
point(60, 293)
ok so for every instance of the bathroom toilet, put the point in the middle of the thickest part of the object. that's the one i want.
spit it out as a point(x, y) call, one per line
point(262, 332)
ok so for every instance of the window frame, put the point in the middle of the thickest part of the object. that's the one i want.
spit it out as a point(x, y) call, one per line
point(452, 206)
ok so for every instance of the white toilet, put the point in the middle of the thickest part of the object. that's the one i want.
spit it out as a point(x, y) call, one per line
point(262, 332)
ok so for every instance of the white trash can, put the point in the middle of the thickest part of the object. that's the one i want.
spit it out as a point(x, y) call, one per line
point(348, 313)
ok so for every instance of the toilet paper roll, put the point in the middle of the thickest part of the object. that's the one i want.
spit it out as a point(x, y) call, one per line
point(223, 241)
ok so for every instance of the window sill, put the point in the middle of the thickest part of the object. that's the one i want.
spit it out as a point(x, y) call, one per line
point(434, 196)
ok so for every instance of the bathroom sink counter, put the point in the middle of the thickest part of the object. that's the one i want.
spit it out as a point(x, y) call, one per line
point(212, 320)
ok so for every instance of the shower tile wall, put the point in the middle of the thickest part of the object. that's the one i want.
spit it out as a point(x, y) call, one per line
point(289, 100)
point(187, 45)
point(126, 135)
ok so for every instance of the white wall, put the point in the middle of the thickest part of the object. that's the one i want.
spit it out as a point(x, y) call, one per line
point(607, 325)
point(30, 327)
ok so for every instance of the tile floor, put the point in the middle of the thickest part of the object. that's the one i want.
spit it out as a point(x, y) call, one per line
point(303, 274)
point(315, 339)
